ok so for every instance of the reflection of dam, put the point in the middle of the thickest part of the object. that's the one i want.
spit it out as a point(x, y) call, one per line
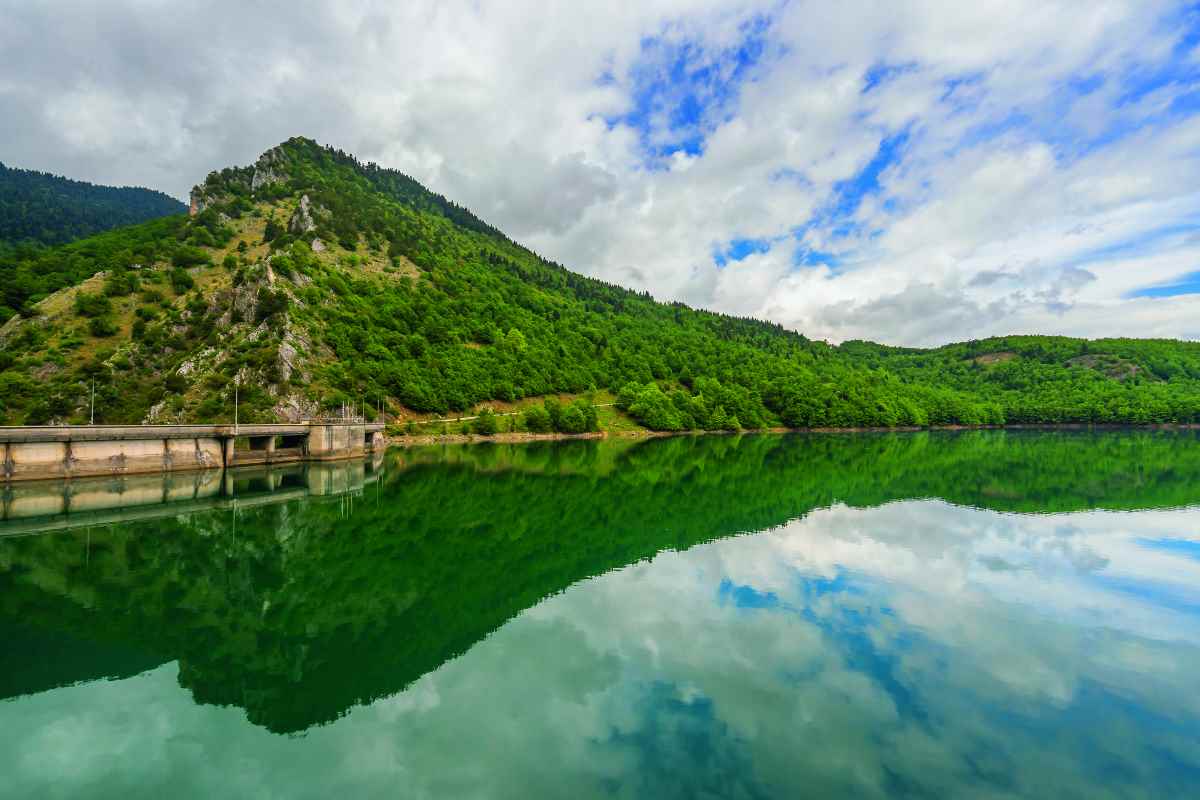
point(47, 506)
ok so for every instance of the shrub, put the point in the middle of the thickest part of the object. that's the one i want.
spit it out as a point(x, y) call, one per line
point(537, 419)
point(187, 256)
point(92, 305)
point(587, 412)
point(120, 284)
point(102, 326)
point(485, 423)
point(655, 410)
point(554, 411)
point(269, 304)
point(181, 281)
point(572, 420)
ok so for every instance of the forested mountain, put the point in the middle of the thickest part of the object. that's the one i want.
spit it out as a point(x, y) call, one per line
point(40, 208)
point(311, 280)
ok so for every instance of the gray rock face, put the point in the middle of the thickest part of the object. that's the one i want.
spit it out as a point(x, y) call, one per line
point(318, 246)
point(199, 201)
point(264, 170)
point(302, 221)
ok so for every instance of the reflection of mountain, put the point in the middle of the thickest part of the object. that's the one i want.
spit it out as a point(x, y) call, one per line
point(297, 611)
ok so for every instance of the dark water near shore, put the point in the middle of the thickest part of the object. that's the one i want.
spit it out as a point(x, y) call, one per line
point(976, 614)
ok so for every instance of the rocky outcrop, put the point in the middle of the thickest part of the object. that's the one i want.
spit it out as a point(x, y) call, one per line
point(295, 407)
point(267, 170)
point(199, 201)
point(302, 221)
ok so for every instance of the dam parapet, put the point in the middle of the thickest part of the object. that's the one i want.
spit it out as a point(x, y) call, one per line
point(66, 451)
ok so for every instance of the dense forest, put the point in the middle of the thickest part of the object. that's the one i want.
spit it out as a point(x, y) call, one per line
point(311, 281)
point(40, 208)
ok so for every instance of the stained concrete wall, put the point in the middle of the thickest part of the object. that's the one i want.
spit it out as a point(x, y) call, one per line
point(36, 460)
point(66, 452)
point(335, 441)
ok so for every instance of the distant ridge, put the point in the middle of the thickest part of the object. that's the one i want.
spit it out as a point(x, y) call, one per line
point(49, 209)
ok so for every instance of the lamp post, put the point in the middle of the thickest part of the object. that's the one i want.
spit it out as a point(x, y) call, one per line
point(93, 415)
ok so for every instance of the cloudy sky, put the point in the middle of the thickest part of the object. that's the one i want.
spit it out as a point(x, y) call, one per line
point(911, 172)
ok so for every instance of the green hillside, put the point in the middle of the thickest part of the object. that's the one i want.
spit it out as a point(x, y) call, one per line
point(40, 208)
point(310, 280)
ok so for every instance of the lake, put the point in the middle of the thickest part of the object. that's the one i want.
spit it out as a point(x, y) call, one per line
point(975, 614)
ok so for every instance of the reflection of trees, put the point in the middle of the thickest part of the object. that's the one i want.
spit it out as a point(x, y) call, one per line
point(299, 610)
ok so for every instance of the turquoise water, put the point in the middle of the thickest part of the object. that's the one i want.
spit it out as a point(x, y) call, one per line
point(912, 615)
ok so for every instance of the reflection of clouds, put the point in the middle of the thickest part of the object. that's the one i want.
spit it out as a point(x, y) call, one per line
point(915, 647)
point(1048, 561)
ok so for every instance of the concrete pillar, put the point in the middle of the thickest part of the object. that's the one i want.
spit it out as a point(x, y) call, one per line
point(227, 451)
point(320, 440)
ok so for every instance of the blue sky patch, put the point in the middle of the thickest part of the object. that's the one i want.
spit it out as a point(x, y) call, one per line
point(1183, 547)
point(738, 249)
point(681, 90)
point(1187, 284)
point(879, 74)
point(848, 194)
point(745, 596)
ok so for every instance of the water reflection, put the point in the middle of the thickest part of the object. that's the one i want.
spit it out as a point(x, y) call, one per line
point(896, 629)
point(44, 506)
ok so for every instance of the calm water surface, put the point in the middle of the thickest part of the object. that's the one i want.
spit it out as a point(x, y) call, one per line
point(913, 615)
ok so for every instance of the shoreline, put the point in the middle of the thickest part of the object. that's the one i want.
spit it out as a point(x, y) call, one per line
point(521, 438)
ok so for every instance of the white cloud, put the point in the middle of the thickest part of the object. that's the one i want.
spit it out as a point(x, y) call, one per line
point(1025, 150)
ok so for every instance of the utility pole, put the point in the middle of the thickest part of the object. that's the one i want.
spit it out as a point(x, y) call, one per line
point(235, 404)
point(93, 419)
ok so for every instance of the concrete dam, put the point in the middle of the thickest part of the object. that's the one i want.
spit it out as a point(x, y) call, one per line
point(66, 451)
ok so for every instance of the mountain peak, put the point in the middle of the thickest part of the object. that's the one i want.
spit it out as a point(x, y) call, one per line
point(278, 165)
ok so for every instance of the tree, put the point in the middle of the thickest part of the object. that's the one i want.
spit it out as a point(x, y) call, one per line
point(485, 423)
point(537, 420)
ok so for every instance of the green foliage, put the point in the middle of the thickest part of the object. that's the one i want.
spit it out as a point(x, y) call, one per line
point(537, 420)
point(102, 326)
point(189, 256)
point(485, 423)
point(92, 305)
point(37, 207)
point(181, 281)
point(121, 283)
point(270, 303)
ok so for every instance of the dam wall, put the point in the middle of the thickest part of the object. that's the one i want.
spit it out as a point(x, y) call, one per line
point(66, 451)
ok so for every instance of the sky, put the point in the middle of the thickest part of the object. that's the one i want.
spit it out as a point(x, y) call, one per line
point(912, 172)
